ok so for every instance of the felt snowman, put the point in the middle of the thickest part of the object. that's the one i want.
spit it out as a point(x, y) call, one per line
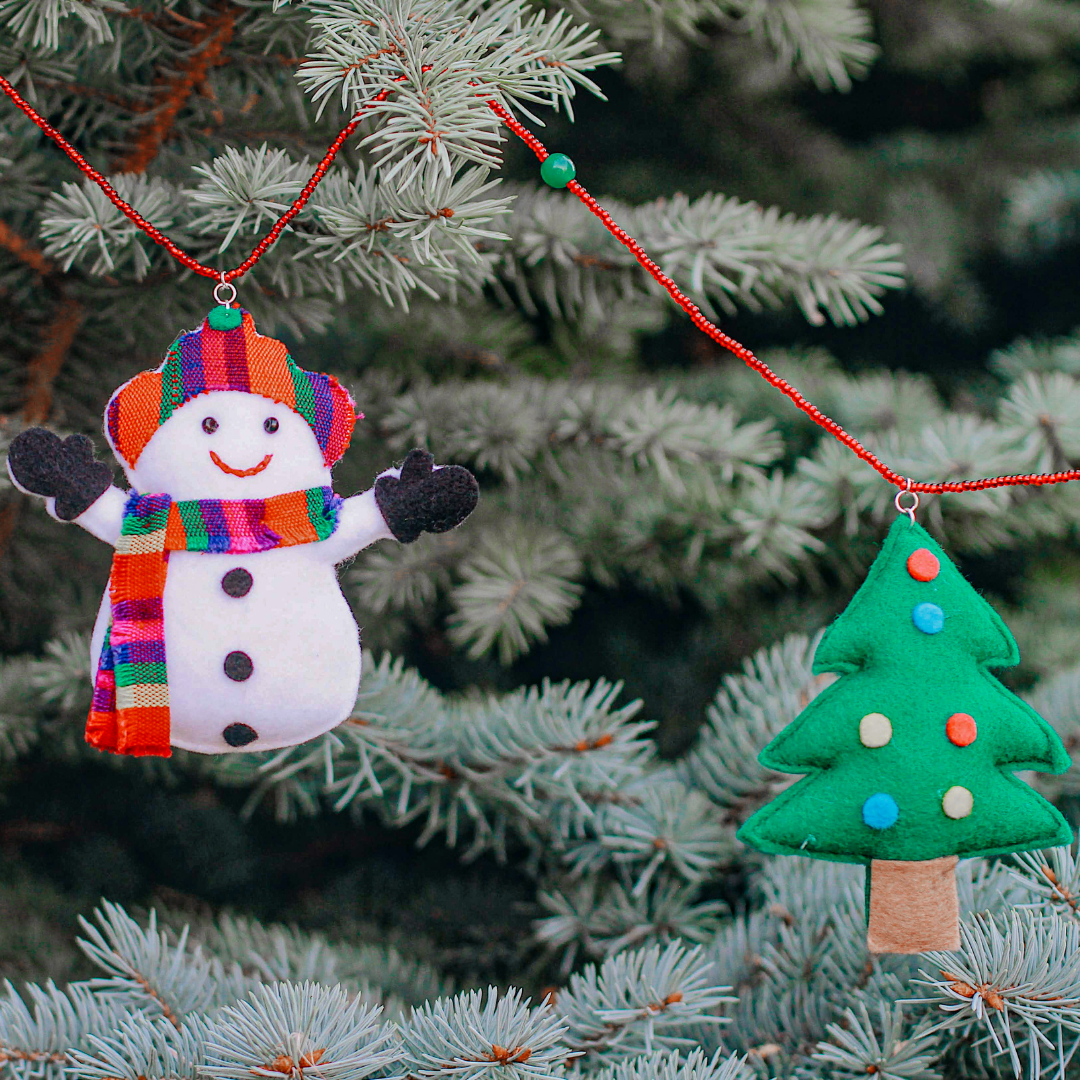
point(223, 627)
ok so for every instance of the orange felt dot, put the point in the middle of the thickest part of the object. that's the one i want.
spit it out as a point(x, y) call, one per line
point(961, 729)
point(923, 565)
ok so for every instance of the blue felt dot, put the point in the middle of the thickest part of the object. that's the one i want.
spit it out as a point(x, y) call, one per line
point(880, 811)
point(928, 618)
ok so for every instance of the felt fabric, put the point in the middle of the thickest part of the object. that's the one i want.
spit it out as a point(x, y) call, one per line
point(294, 625)
point(238, 359)
point(237, 735)
point(913, 906)
point(233, 458)
point(238, 666)
point(263, 651)
point(237, 582)
point(918, 681)
point(425, 499)
point(39, 463)
point(130, 711)
point(293, 621)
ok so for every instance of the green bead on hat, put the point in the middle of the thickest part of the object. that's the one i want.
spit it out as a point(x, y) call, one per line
point(557, 170)
point(224, 317)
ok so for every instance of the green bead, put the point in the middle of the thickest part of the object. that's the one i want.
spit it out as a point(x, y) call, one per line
point(557, 170)
point(225, 318)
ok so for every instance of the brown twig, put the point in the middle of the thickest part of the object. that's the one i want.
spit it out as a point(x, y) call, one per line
point(166, 1011)
point(503, 1055)
point(23, 250)
point(988, 993)
point(9, 518)
point(44, 368)
point(208, 44)
point(286, 1066)
point(1061, 892)
point(392, 50)
point(53, 1057)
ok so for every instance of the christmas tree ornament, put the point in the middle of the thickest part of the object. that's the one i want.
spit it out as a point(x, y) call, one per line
point(909, 756)
point(223, 627)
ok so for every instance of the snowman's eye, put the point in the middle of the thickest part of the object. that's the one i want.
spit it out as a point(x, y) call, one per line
point(209, 425)
point(270, 425)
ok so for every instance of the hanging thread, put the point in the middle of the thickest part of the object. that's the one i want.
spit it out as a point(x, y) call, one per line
point(696, 315)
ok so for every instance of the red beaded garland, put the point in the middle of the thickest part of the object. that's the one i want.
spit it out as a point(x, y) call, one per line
point(961, 729)
point(639, 253)
point(159, 237)
point(923, 565)
point(751, 361)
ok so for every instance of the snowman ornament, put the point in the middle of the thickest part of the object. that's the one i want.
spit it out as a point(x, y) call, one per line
point(223, 627)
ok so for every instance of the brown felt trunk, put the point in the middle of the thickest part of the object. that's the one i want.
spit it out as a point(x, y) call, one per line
point(913, 906)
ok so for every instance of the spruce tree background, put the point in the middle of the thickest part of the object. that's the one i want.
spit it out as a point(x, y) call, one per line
point(557, 730)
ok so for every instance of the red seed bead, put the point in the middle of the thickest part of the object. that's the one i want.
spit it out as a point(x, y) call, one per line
point(923, 565)
point(961, 729)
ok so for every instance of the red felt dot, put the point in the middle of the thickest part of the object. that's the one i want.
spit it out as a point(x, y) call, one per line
point(923, 565)
point(961, 729)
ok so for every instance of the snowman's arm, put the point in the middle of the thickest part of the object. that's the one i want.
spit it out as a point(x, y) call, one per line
point(104, 517)
point(419, 497)
point(360, 523)
point(64, 473)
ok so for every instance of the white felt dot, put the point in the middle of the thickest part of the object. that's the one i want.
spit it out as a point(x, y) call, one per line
point(875, 729)
point(957, 802)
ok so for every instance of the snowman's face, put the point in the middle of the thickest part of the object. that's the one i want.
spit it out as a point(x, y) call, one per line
point(229, 444)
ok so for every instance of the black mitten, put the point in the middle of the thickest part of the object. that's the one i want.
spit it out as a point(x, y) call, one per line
point(425, 499)
point(43, 464)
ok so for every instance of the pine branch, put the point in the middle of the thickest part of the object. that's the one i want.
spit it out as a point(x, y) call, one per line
point(206, 50)
point(533, 762)
point(146, 969)
point(638, 1002)
point(856, 1049)
point(42, 1028)
point(673, 1065)
point(1053, 877)
point(719, 249)
point(379, 973)
point(748, 711)
point(476, 1035)
point(1014, 980)
point(39, 25)
point(298, 1030)
point(602, 919)
point(827, 41)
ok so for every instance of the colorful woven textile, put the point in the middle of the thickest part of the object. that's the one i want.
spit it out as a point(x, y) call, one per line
point(206, 359)
point(130, 711)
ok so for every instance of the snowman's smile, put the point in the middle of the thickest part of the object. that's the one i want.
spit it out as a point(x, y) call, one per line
point(253, 471)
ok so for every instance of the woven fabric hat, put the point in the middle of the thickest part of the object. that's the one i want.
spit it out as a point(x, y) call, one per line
point(227, 353)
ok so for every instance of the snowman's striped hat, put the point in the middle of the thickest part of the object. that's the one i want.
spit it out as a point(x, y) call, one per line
point(227, 353)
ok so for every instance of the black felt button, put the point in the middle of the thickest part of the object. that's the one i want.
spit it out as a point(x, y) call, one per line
point(237, 582)
point(239, 734)
point(238, 666)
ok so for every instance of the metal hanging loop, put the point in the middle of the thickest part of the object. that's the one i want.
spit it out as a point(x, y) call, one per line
point(223, 284)
point(911, 507)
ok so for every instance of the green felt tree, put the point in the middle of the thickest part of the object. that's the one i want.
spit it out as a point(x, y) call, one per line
point(910, 754)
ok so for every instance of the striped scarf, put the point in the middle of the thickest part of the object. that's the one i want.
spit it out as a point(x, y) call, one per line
point(130, 711)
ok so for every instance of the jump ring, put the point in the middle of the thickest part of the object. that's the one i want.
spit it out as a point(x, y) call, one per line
point(911, 507)
point(223, 284)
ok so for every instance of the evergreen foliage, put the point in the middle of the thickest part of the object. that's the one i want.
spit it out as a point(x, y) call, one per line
point(571, 692)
